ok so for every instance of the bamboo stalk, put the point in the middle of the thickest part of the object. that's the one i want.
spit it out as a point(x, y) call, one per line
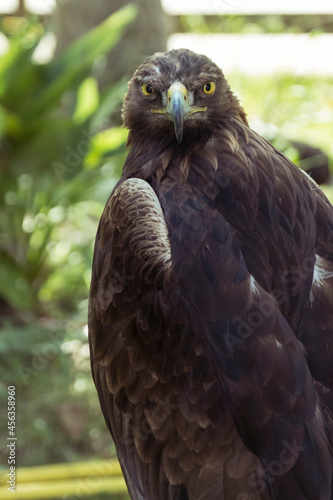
point(81, 488)
point(56, 472)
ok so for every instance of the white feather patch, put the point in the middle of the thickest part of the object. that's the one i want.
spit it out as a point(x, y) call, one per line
point(320, 274)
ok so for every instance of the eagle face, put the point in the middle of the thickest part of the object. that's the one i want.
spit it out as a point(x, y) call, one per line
point(177, 95)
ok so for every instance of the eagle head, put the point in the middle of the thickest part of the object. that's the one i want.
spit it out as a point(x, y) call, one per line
point(178, 95)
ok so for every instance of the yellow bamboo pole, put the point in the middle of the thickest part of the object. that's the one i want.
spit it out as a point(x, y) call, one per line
point(81, 487)
point(55, 472)
point(53, 481)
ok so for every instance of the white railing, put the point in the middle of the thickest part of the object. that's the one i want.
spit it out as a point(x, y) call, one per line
point(248, 7)
point(263, 54)
point(259, 54)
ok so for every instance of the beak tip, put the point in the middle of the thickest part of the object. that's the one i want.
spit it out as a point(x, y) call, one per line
point(177, 108)
point(179, 135)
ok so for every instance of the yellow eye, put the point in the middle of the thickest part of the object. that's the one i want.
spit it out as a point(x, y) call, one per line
point(209, 87)
point(147, 88)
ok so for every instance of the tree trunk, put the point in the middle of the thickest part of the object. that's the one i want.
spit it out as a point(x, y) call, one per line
point(146, 35)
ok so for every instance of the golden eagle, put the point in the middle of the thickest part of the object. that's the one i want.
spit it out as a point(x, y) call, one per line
point(211, 304)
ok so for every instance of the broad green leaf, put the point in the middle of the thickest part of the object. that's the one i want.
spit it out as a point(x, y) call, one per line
point(70, 67)
point(87, 100)
point(110, 99)
point(105, 142)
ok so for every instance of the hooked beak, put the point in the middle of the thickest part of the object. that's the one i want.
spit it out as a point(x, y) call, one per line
point(178, 108)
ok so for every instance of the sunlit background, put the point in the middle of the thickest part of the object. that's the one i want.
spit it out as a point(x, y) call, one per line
point(62, 148)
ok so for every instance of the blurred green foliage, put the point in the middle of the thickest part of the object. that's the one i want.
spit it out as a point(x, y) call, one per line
point(60, 155)
point(53, 122)
point(314, 24)
point(288, 108)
